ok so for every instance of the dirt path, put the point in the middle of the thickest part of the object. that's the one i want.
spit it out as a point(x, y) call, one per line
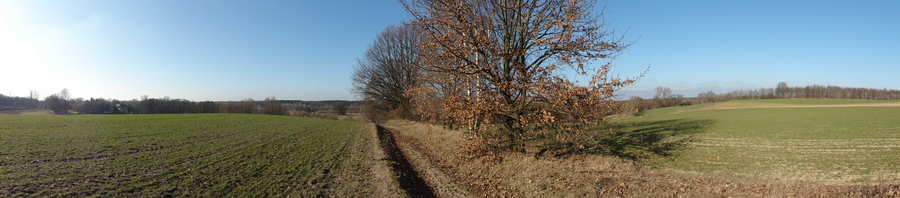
point(418, 176)
point(409, 179)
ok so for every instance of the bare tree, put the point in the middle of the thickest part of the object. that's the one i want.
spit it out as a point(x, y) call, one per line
point(94, 106)
point(231, 107)
point(64, 94)
point(59, 103)
point(34, 94)
point(207, 107)
point(340, 108)
point(248, 106)
point(390, 67)
point(15, 102)
point(507, 57)
point(663, 92)
point(781, 90)
point(271, 106)
point(56, 104)
point(663, 97)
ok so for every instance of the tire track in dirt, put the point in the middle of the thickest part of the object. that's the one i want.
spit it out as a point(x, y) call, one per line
point(409, 179)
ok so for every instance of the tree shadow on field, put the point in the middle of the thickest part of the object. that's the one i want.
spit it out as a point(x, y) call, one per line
point(641, 140)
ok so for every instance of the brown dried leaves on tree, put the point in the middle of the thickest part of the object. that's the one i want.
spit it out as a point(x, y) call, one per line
point(509, 69)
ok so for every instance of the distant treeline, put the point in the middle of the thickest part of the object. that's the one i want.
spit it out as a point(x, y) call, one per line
point(168, 105)
point(782, 90)
point(665, 98)
point(15, 102)
point(61, 103)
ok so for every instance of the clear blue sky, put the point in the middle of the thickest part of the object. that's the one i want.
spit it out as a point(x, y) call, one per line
point(698, 46)
point(231, 50)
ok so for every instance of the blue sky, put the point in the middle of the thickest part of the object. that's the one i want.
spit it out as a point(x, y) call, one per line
point(698, 46)
point(231, 50)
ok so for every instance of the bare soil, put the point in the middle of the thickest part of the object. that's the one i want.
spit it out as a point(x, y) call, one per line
point(382, 177)
point(409, 178)
point(438, 157)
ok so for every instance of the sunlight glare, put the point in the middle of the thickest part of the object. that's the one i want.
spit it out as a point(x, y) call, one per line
point(23, 63)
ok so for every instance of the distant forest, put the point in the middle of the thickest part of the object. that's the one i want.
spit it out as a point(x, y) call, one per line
point(61, 103)
point(665, 98)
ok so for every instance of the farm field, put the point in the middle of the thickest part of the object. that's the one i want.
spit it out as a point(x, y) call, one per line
point(207, 155)
point(798, 103)
point(26, 112)
point(823, 141)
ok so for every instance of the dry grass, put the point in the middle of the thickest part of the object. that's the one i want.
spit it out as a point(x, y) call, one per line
point(524, 175)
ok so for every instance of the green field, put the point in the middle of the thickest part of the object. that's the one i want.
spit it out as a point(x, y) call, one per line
point(26, 112)
point(207, 155)
point(775, 103)
point(823, 141)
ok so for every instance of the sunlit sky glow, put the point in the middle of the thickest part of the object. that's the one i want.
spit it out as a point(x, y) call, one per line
point(306, 50)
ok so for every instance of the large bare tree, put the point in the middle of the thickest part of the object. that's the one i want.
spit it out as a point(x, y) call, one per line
point(390, 67)
point(528, 67)
point(271, 106)
point(59, 103)
point(248, 106)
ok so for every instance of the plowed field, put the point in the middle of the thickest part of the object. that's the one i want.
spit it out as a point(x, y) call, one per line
point(208, 155)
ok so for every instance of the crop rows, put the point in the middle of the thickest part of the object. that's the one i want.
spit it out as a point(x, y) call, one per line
point(174, 155)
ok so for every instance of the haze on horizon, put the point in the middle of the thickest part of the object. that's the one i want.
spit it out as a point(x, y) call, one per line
point(306, 50)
